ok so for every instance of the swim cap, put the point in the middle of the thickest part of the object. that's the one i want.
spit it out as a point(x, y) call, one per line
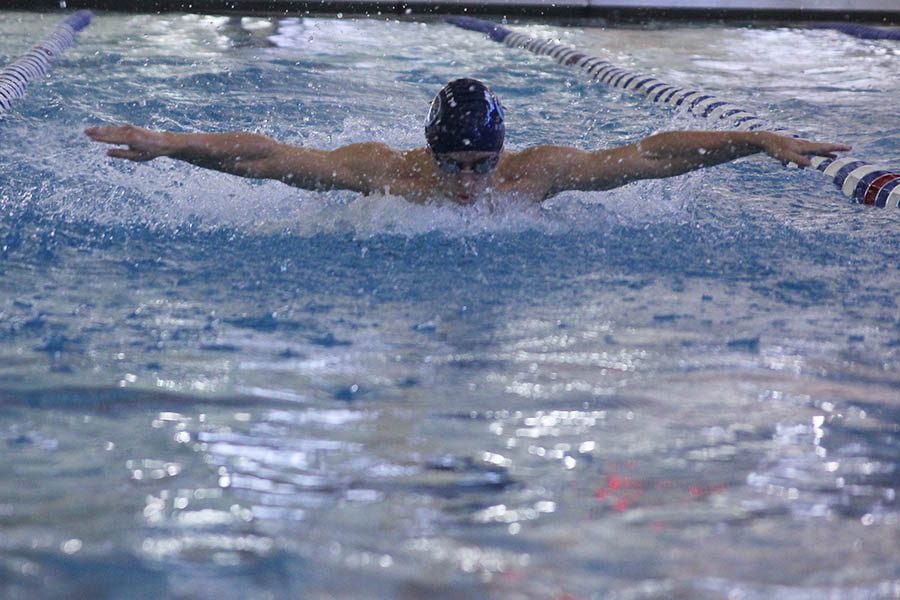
point(465, 115)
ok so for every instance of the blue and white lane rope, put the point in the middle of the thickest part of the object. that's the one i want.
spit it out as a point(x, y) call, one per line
point(863, 32)
point(15, 77)
point(859, 180)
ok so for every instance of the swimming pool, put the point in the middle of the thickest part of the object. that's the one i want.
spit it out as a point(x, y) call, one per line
point(218, 388)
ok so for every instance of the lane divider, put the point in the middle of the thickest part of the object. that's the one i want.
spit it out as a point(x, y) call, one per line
point(863, 32)
point(862, 182)
point(16, 76)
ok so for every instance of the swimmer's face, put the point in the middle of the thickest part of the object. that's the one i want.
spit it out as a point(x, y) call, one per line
point(466, 172)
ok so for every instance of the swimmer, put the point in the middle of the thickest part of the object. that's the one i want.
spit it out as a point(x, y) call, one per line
point(464, 159)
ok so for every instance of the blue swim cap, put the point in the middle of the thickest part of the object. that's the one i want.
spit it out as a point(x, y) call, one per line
point(465, 115)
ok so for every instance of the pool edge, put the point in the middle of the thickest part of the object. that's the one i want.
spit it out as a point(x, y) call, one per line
point(875, 11)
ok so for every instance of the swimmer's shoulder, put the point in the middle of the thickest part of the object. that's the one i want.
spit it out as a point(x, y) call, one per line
point(540, 155)
point(533, 162)
point(534, 171)
point(382, 156)
point(384, 169)
point(374, 152)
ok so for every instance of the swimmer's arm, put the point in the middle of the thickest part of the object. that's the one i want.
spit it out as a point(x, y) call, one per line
point(673, 153)
point(251, 155)
point(360, 167)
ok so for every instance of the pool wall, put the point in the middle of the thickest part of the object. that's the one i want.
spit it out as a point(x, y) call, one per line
point(882, 11)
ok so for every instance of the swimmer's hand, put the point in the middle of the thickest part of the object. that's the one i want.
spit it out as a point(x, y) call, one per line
point(793, 150)
point(142, 144)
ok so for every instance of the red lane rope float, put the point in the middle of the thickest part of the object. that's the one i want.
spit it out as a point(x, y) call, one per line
point(862, 182)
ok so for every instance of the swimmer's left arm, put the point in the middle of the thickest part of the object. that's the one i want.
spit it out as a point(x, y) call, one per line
point(673, 153)
point(360, 167)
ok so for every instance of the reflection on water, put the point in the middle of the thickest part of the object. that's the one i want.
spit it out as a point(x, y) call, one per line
point(506, 483)
point(216, 388)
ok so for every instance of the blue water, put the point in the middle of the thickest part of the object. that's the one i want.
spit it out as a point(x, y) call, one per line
point(218, 388)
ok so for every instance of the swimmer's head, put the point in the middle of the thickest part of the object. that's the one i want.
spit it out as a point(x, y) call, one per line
point(465, 116)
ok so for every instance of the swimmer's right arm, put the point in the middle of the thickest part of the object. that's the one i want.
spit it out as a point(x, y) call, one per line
point(354, 167)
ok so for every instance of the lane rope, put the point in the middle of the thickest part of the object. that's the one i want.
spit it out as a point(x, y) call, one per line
point(861, 181)
point(863, 32)
point(16, 76)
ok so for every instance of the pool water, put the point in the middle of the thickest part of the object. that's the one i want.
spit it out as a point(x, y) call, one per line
point(220, 388)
